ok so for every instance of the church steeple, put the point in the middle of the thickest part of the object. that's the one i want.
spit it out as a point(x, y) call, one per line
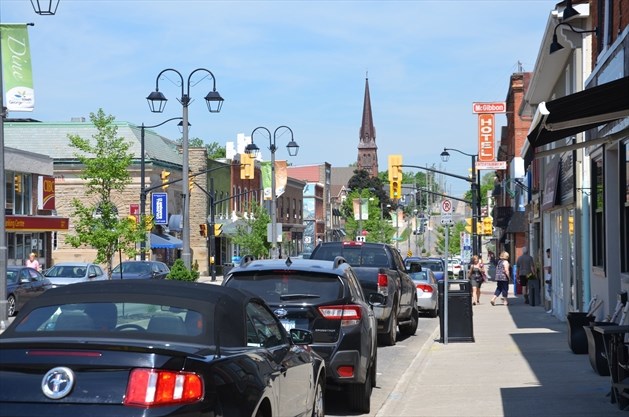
point(367, 149)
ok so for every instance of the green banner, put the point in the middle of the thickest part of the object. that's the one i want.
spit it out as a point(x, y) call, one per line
point(17, 73)
point(265, 167)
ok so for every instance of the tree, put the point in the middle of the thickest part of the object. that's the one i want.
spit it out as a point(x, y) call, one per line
point(96, 220)
point(454, 240)
point(362, 180)
point(377, 224)
point(251, 237)
point(216, 151)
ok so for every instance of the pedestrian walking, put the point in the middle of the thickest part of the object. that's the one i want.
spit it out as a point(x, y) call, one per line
point(491, 265)
point(32, 262)
point(476, 275)
point(525, 265)
point(502, 279)
point(548, 281)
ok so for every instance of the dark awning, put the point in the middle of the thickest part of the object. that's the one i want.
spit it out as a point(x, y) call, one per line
point(576, 113)
point(165, 242)
point(518, 223)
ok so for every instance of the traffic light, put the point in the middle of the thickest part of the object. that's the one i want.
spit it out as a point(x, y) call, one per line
point(468, 225)
point(218, 229)
point(247, 166)
point(190, 184)
point(488, 226)
point(203, 229)
point(18, 183)
point(164, 176)
point(395, 176)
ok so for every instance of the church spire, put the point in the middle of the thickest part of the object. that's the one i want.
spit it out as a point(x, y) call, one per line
point(367, 149)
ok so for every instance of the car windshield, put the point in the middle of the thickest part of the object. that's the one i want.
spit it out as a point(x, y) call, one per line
point(434, 265)
point(292, 286)
point(356, 255)
point(66, 271)
point(125, 319)
point(133, 268)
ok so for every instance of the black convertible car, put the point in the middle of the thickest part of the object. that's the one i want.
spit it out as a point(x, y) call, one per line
point(156, 348)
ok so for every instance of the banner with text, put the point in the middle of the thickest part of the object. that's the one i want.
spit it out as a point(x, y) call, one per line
point(17, 73)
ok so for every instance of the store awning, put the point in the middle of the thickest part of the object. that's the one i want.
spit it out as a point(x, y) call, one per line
point(518, 223)
point(165, 242)
point(576, 113)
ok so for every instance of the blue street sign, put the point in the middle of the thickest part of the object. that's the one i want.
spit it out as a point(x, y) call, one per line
point(159, 208)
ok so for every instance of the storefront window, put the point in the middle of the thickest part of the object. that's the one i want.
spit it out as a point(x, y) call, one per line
point(598, 231)
point(624, 244)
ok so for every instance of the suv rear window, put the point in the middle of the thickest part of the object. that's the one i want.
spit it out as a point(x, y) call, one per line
point(286, 286)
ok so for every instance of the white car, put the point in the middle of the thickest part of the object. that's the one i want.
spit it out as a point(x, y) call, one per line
point(454, 267)
point(65, 273)
point(427, 291)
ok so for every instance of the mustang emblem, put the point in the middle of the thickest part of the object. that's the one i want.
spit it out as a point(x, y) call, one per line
point(58, 382)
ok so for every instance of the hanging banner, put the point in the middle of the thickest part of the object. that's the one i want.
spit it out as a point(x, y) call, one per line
point(361, 209)
point(45, 192)
point(281, 177)
point(17, 73)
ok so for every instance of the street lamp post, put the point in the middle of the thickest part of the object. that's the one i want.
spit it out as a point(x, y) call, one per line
point(157, 103)
point(475, 187)
point(142, 181)
point(293, 148)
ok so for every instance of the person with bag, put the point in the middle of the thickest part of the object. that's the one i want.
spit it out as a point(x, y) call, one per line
point(502, 279)
point(476, 274)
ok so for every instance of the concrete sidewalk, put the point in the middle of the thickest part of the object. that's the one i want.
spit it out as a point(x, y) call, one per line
point(520, 364)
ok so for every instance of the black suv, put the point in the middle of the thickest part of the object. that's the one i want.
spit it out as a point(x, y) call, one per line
point(325, 298)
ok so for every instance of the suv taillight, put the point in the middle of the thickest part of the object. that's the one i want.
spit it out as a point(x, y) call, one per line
point(154, 387)
point(349, 314)
point(383, 284)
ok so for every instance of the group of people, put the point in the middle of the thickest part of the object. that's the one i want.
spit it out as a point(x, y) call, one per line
point(527, 272)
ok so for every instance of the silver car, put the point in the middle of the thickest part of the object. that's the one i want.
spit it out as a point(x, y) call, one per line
point(65, 273)
point(427, 291)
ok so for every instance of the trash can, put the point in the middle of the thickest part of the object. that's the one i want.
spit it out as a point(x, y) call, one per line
point(226, 268)
point(460, 325)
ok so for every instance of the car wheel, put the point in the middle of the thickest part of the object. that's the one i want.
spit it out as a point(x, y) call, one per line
point(11, 306)
point(389, 338)
point(318, 406)
point(411, 328)
point(360, 395)
point(434, 312)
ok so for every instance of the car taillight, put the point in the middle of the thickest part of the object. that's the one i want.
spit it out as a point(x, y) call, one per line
point(345, 371)
point(383, 284)
point(153, 387)
point(349, 315)
point(424, 287)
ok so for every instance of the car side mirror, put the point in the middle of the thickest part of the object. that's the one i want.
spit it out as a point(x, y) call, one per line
point(301, 337)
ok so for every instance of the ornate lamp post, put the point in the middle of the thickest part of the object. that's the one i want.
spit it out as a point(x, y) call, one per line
point(157, 102)
point(475, 187)
point(293, 148)
point(142, 179)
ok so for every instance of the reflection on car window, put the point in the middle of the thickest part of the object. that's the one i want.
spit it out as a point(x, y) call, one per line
point(262, 327)
point(126, 319)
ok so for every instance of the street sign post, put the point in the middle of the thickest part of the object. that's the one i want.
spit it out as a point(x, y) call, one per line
point(446, 211)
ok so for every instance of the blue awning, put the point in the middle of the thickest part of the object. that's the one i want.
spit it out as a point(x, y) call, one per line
point(165, 242)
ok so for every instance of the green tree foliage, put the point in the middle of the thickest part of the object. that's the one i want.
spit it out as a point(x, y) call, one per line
point(96, 220)
point(486, 185)
point(378, 224)
point(251, 237)
point(214, 150)
point(454, 240)
point(363, 181)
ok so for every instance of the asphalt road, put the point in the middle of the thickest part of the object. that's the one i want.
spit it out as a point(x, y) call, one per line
point(393, 362)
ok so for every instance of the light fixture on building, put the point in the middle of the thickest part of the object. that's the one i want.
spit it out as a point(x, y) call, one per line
point(556, 46)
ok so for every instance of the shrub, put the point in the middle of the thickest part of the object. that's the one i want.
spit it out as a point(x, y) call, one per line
point(179, 272)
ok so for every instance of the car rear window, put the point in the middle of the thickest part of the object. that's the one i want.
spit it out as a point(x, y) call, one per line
point(355, 255)
point(122, 319)
point(289, 287)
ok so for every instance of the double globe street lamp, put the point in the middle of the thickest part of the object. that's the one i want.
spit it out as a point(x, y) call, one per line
point(293, 148)
point(157, 103)
point(475, 188)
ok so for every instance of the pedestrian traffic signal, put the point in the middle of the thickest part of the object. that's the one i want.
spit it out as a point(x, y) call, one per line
point(164, 176)
point(218, 229)
point(247, 166)
point(203, 230)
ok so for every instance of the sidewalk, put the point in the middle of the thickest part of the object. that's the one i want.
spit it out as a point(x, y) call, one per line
point(519, 365)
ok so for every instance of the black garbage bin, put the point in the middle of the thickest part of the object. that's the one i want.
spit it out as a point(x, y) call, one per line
point(460, 325)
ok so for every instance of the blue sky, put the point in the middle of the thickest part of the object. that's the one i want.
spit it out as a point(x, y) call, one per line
point(295, 63)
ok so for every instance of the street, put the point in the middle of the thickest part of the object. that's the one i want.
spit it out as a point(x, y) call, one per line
point(393, 362)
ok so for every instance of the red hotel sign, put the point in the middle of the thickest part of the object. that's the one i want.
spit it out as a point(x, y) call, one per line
point(486, 137)
point(35, 223)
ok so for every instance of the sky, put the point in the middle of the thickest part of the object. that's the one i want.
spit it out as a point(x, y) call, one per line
point(291, 63)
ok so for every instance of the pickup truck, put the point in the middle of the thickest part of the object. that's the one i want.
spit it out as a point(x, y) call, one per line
point(380, 269)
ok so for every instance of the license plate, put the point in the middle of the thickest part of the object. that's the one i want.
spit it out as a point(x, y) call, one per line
point(288, 324)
